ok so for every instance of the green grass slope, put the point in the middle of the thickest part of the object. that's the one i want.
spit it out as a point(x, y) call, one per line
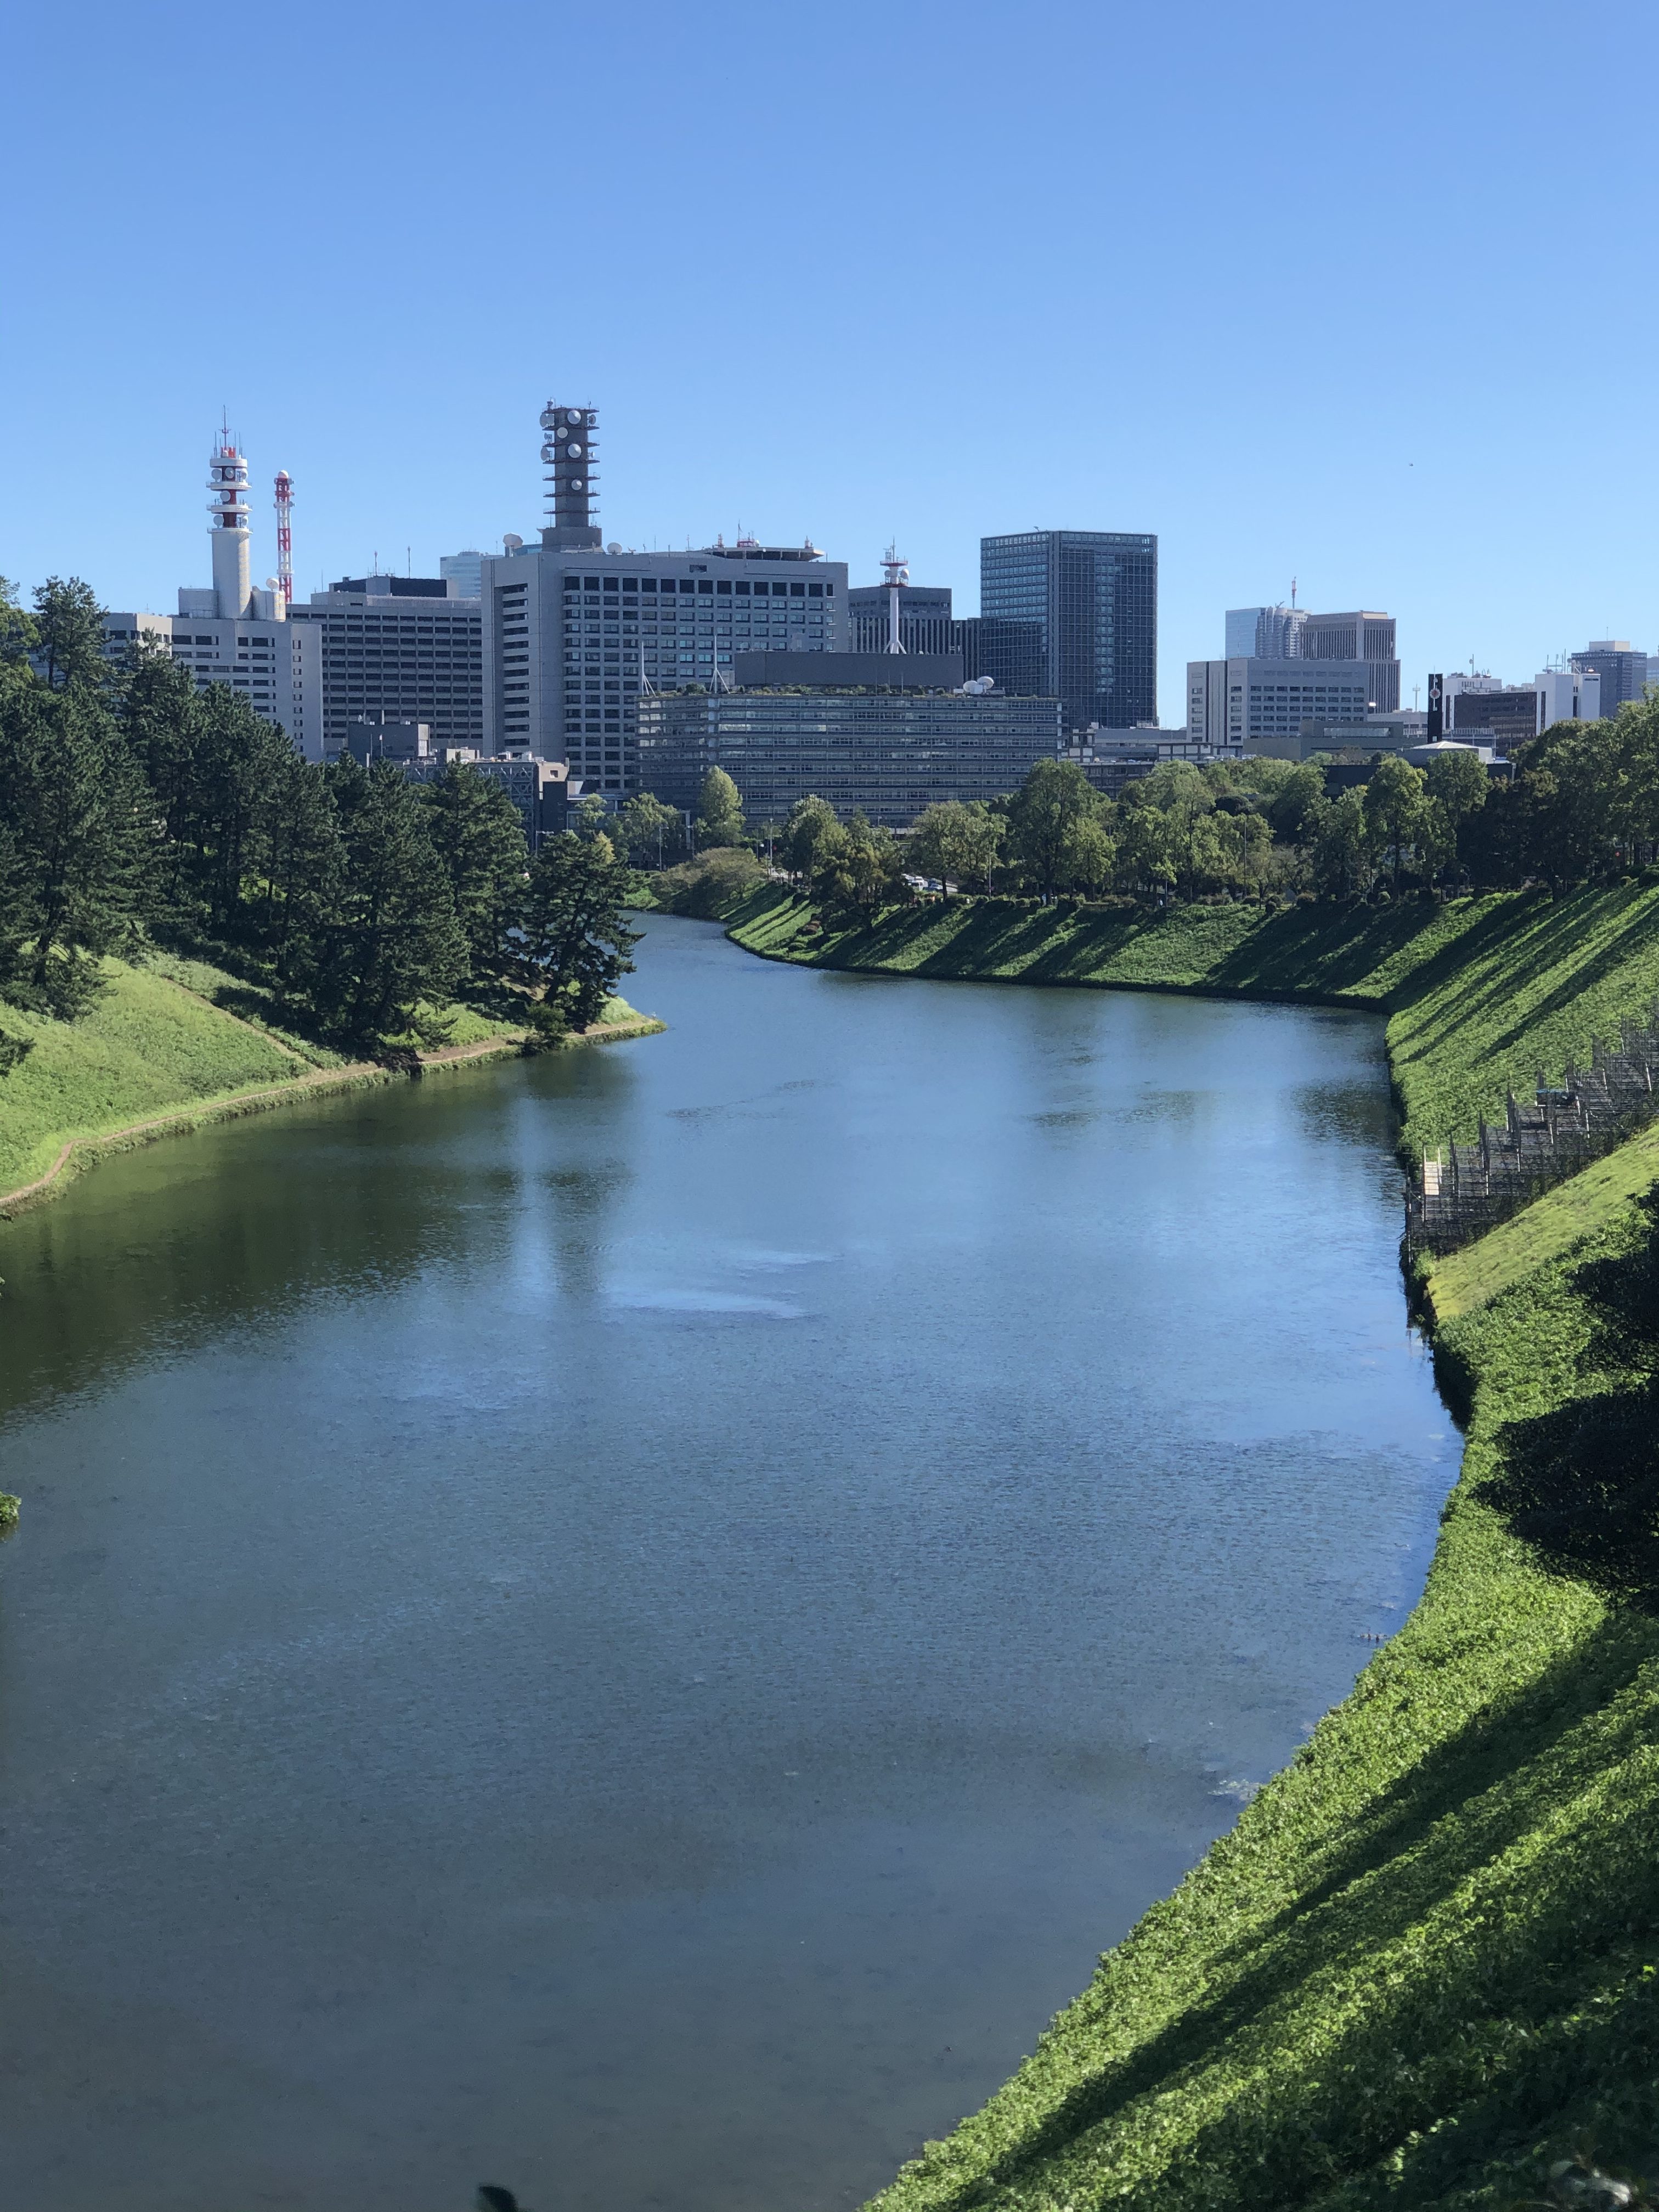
point(1481, 992)
point(1426, 1958)
point(148, 1046)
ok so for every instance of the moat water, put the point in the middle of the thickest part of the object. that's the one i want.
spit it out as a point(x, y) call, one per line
point(630, 1625)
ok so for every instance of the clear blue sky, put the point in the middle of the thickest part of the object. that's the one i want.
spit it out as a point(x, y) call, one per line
point(1364, 296)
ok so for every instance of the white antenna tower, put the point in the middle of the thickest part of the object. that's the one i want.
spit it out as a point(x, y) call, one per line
point(899, 575)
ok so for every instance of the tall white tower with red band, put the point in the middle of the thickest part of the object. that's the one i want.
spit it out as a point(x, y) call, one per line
point(227, 481)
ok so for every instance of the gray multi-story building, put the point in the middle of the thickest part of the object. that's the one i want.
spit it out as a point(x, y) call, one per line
point(574, 636)
point(407, 647)
point(1282, 633)
point(1245, 701)
point(1624, 673)
point(925, 623)
point(574, 631)
point(1093, 594)
point(861, 741)
point(1359, 636)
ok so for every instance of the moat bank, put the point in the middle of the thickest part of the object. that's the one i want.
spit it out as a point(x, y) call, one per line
point(634, 1625)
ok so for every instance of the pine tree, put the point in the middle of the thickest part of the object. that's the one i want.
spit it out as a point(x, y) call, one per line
point(575, 943)
point(478, 836)
point(390, 952)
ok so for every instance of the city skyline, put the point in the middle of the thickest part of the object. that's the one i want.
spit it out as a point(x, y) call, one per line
point(390, 343)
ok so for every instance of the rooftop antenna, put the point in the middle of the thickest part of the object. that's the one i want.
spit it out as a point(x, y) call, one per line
point(1293, 592)
point(899, 575)
point(285, 539)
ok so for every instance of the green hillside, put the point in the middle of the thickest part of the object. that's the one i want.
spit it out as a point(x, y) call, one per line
point(1481, 992)
point(149, 1046)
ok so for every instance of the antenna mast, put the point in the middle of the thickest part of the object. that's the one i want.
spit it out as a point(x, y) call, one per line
point(899, 575)
point(285, 539)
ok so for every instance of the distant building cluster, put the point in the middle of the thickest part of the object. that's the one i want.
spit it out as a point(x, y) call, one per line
point(567, 667)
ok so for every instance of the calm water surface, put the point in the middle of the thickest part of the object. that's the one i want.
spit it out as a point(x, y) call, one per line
point(630, 1625)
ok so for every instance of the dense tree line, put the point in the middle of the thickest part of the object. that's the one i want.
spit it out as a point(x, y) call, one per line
point(1583, 804)
point(135, 809)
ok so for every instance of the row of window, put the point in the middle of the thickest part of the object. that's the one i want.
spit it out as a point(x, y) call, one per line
point(707, 588)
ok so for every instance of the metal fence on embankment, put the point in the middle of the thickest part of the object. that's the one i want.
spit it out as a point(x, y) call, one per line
point(1451, 1201)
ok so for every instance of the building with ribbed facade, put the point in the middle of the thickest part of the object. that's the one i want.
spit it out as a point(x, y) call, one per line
point(865, 744)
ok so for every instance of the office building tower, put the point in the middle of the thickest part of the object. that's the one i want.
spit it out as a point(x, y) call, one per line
point(1359, 636)
point(858, 739)
point(1247, 702)
point(1624, 674)
point(464, 571)
point(1265, 632)
point(925, 624)
point(1093, 594)
point(410, 648)
point(574, 632)
point(231, 632)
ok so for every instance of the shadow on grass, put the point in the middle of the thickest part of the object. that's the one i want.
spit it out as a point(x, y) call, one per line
point(1455, 1813)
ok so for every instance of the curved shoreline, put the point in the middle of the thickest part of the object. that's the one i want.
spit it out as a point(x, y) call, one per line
point(77, 1154)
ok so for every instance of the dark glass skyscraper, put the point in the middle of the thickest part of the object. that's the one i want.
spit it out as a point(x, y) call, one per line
point(1094, 594)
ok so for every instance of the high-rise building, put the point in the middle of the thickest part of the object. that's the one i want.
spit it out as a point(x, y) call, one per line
point(1624, 674)
point(1359, 636)
point(1265, 632)
point(1093, 594)
point(231, 632)
point(574, 632)
point(410, 648)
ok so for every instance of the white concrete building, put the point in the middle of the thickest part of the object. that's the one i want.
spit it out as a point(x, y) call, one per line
point(232, 633)
point(1246, 700)
point(1566, 695)
point(401, 646)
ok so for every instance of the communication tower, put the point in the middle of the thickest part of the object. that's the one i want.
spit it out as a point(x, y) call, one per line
point(285, 539)
point(227, 481)
point(899, 575)
point(567, 448)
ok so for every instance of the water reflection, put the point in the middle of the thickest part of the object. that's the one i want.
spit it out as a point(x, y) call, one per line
point(634, 1621)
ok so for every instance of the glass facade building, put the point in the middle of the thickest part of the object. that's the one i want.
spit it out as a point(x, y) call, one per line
point(885, 753)
point(1093, 594)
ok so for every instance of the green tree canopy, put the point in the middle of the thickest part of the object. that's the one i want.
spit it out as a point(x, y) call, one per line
point(720, 810)
point(957, 841)
point(649, 834)
point(808, 821)
point(68, 625)
point(574, 940)
point(477, 834)
point(1055, 822)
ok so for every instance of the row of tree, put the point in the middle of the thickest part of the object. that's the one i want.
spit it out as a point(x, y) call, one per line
point(1583, 803)
point(136, 809)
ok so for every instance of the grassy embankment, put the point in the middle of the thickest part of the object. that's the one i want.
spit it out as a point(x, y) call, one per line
point(174, 1044)
point(1426, 1960)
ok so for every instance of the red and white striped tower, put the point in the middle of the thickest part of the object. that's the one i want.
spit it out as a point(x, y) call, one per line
point(285, 539)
